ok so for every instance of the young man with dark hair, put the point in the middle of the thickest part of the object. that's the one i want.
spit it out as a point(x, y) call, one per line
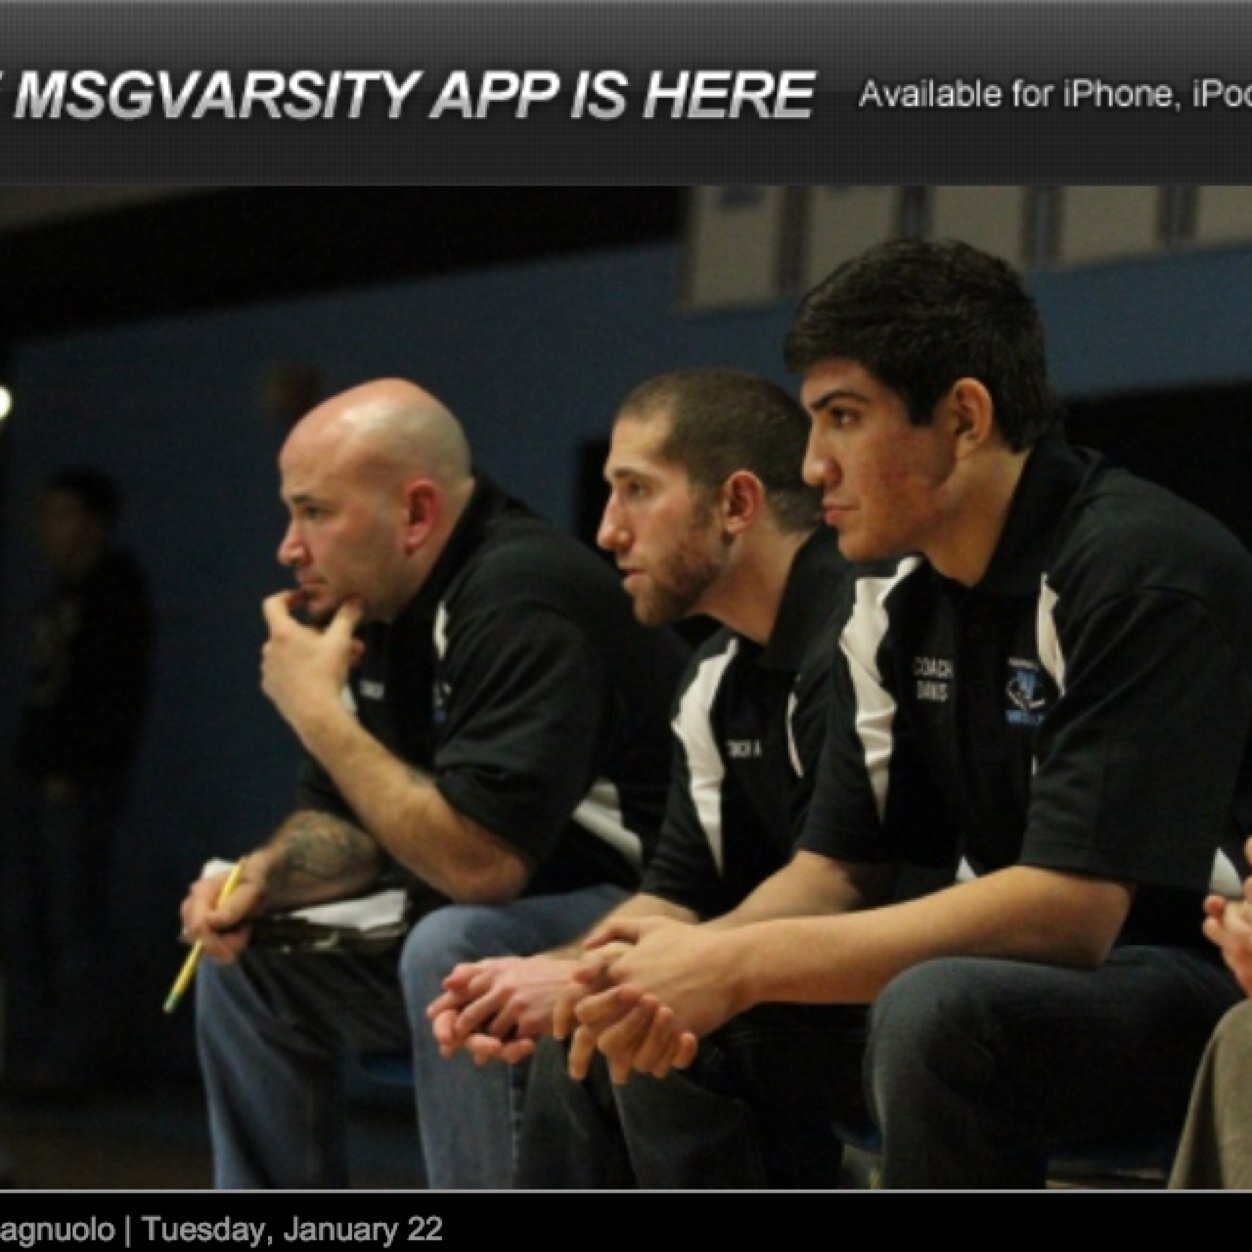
point(1050, 678)
point(707, 514)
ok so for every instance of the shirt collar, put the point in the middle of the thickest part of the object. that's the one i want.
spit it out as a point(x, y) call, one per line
point(485, 503)
point(1053, 473)
point(814, 583)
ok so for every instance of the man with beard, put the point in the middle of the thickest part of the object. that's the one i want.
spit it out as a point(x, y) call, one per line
point(707, 514)
point(1047, 673)
point(479, 710)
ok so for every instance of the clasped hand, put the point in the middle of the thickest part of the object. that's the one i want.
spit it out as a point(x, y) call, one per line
point(651, 988)
point(636, 995)
point(495, 1009)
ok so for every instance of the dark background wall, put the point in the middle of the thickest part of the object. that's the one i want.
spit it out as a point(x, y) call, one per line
point(532, 344)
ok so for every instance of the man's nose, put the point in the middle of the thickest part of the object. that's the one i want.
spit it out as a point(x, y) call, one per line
point(612, 535)
point(819, 468)
point(291, 550)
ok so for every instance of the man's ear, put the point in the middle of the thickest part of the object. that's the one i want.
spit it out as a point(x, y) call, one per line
point(970, 412)
point(742, 501)
point(423, 504)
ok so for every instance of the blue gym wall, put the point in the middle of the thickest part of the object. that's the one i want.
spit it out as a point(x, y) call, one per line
point(533, 358)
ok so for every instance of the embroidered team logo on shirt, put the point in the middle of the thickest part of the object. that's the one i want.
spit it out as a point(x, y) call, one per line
point(1028, 693)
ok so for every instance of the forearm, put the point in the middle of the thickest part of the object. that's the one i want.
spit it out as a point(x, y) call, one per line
point(809, 886)
point(401, 807)
point(1016, 914)
point(642, 904)
point(313, 856)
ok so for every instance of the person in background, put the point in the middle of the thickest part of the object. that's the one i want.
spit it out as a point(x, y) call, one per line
point(480, 713)
point(707, 514)
point(68, 786)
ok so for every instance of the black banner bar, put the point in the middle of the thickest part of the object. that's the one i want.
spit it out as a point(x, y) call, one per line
point(671, 92)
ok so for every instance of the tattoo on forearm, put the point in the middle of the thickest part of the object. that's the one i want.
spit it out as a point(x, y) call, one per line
point(321, 848)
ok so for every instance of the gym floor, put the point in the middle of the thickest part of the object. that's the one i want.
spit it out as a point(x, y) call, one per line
point(157, 1139)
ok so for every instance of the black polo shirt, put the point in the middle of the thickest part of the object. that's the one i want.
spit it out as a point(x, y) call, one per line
point(748, 725)
point(520, 678)
point(1085, 707)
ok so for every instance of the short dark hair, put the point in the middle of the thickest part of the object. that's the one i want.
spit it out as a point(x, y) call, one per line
point(94, 490)
point(724, 420)
point(919, 315)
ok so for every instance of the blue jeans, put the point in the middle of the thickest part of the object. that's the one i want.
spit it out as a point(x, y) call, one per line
point(756, 1110)
point(976, 1068)
point(273, 1029)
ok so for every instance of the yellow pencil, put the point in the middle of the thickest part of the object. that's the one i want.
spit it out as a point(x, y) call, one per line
point(185, 975)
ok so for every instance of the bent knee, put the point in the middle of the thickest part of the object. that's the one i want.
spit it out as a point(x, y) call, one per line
point(922, 1012)
point(447, 936)
point(930, 996)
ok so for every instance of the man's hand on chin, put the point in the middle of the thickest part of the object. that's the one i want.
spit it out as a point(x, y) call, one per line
point(303, 667)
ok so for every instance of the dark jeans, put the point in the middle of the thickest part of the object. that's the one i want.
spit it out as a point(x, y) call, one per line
point(756, 1110)
point(976, 1068)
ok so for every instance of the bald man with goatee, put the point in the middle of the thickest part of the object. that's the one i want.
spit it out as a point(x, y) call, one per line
point(480, 713)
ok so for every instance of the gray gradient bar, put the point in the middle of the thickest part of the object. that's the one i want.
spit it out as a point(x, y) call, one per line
point(1119, 53)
